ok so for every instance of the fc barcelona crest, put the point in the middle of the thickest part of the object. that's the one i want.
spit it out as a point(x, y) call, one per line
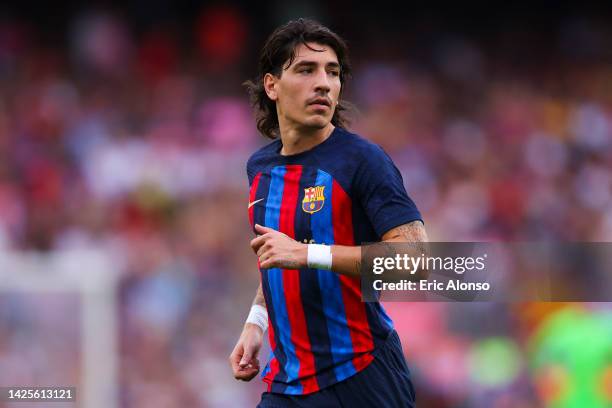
point(313, 199)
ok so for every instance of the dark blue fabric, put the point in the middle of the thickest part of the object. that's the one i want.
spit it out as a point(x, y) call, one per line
point(363, 170)
point(316, 323)
point(385, 383)
point(259, 214)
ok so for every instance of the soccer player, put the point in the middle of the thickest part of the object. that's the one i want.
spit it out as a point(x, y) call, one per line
point(317, 192)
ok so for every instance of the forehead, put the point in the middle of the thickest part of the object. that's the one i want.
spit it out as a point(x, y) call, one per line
point(314, 52)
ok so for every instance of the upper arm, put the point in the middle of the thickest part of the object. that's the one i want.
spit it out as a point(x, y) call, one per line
point(411, 232)
point(380, 189)
point(414, 233)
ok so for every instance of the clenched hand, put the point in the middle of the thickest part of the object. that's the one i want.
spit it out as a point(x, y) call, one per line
point(243, 359)
point(277, 250)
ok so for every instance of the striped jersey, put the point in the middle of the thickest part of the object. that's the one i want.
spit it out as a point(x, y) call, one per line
point(344, 191)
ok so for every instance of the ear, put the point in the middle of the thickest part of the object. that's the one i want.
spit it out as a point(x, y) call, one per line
point(269, 83)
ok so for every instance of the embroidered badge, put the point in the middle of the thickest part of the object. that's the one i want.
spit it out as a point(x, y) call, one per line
point(313, 199)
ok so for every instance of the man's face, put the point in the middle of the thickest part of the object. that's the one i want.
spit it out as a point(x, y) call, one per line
point(307, 91)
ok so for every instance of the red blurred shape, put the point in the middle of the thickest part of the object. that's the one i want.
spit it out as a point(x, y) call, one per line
point(221, 33)
point(157, 57)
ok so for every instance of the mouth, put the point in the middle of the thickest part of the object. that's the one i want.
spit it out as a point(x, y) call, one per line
point(320, 103)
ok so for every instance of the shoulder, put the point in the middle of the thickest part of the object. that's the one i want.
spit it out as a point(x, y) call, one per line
point(355, 161)
point(261, 157)
point(265, 151)
point(360, 148)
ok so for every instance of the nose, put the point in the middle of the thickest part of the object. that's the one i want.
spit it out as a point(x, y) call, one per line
point(322, 82)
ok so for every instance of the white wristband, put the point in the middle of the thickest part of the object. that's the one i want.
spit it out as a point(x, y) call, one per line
point(259, 316)
point(319, 256)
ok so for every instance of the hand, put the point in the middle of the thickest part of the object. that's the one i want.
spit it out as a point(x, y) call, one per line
point(243, 359)
point(276, 250)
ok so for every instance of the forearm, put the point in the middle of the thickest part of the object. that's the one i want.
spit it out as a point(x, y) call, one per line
point(258, 316)
point(276, 250)
point(259, 297)
point(346, 260)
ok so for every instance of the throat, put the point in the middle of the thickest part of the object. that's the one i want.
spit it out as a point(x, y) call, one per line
point(299, 142)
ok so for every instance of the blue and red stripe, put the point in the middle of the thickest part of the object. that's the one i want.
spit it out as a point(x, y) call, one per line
point(312, 299)
point(291, 284)
point(282, 333)
point(320, 331)
point(361, 334)
point(260, 191)
point(283, 307)
point(331, 287)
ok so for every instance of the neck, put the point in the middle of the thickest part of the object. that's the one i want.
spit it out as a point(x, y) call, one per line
point(296, 140)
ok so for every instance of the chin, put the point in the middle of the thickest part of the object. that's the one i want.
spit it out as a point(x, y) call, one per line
point(318, 122)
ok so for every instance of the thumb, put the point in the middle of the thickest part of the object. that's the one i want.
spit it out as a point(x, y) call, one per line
point(246, 358)
point(262, 230)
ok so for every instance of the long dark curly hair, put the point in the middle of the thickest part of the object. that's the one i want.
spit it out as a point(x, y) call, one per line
point(279, 52)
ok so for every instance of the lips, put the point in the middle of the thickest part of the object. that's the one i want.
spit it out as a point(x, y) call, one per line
point(320, 101)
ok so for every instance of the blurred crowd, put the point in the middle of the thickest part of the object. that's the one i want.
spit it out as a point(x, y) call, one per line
point(137, 145)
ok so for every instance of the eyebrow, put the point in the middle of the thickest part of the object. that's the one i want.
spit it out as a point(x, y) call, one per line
point(314, 63)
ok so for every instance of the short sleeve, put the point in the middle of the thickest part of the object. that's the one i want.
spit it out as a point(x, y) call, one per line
point(379, 188)
point(249, 170)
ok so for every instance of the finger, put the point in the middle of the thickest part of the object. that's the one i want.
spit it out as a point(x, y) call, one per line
point(267, 263)
point(262, 261)
point(266, 255)
point(262, 230)
point(249, 371)
point(246, 359)
point(235, 366)
point(246, 374)
point(263, 249)
point(259, 241)
point(254, 363)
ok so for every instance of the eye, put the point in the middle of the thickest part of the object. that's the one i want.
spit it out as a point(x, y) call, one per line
point(334, 73)
point(305, 70)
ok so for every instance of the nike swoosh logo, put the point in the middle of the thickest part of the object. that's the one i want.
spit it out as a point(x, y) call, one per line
point(254, 202)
